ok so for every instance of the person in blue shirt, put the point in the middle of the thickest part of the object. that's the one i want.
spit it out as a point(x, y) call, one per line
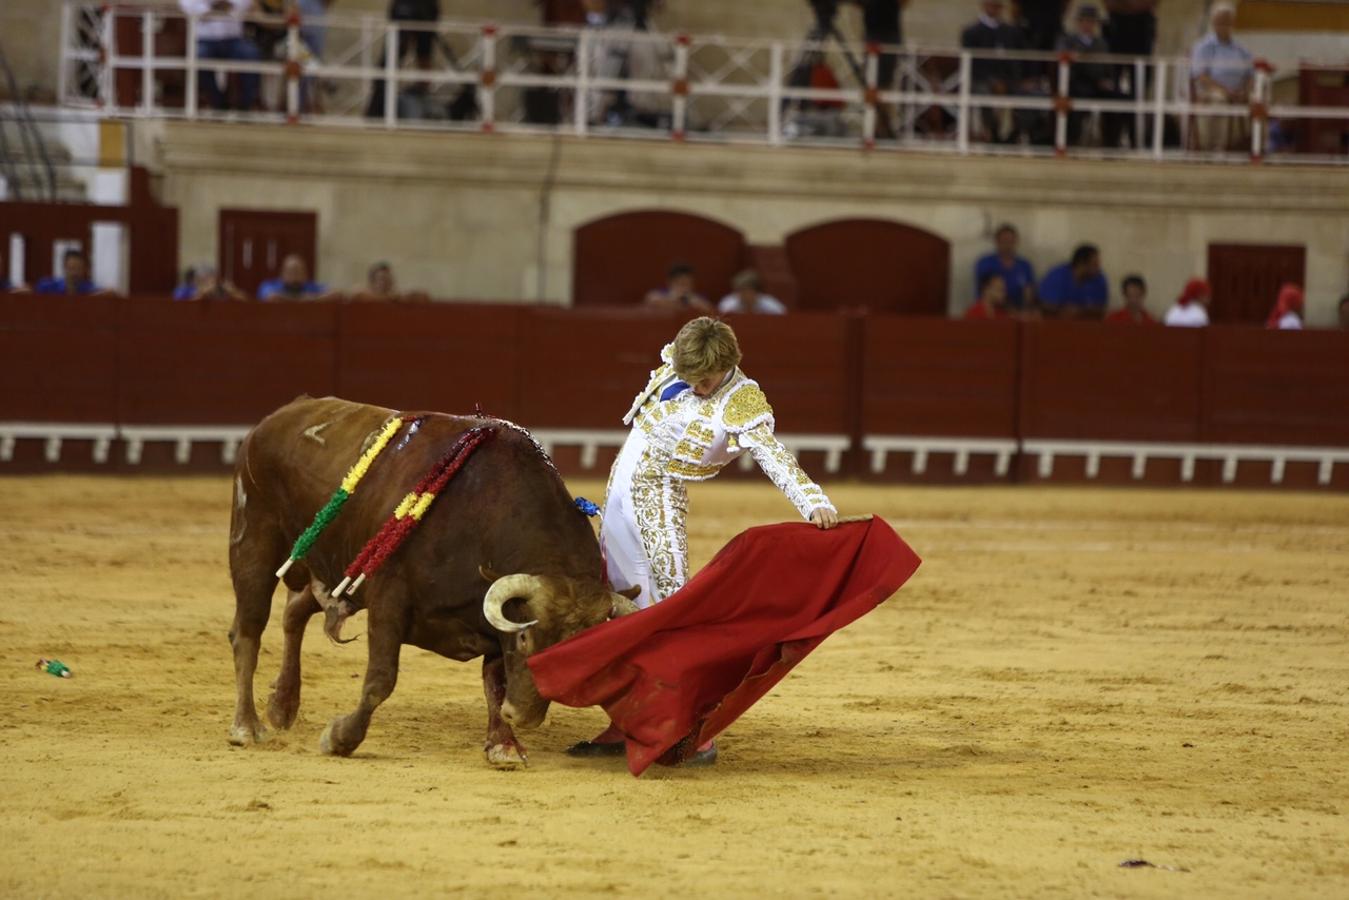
point(1016, 271)
point(1078, 288)
point(294, 283)
point(75, 268)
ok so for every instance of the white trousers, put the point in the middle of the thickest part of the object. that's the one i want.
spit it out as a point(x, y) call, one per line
point(643, 530)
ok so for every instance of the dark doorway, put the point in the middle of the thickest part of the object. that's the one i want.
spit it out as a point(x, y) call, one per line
point(253, 242)
point(1246, 278)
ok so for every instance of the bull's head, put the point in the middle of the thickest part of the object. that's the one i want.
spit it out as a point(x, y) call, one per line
point(532, 612)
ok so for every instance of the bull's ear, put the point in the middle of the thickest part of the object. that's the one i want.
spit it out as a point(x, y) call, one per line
point(488, 573)
point(631, 593)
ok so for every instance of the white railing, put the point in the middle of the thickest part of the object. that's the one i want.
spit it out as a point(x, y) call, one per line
point(143, 61)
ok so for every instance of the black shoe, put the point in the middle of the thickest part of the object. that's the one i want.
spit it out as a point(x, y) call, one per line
point(702, 757)
point(593, 748)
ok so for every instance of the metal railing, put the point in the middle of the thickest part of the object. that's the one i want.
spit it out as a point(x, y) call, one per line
point(146, 61)
point(33, 170)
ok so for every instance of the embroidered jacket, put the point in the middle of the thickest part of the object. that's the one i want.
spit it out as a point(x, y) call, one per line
point(695, 437)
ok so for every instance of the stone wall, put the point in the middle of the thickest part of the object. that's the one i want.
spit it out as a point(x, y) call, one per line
point(492, 217)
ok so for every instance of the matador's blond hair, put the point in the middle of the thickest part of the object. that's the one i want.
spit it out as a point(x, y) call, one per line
point(704, 347)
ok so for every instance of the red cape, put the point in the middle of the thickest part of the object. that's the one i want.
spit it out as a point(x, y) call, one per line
point(675, 675)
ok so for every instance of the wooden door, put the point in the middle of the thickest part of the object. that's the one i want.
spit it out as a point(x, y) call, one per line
point(1246, 278)
point(252, 243)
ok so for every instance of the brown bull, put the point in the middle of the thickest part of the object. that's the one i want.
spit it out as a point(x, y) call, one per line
point(506, 511)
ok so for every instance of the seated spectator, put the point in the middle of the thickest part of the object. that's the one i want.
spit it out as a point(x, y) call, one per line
point(1042, 23)
point(75, 268)
point(1344, 312)
point(1091, 80)
point(1191, 309)
point(1287, 312)
point(187, 287)
point(1017, 273)
point(1220, 69)
point(746, 297)
point(206, 284)
point(678, 292)
point(1134, 311)
point(220, 35)
point(1077, 288)
point(380, 285)
point(986, 35)
point(294, 283)
point(992, 302)
point(422, 42)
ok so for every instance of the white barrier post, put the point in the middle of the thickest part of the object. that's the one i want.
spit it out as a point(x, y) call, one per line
point(1063, 104)
point(147, 61)
point(487, 77)
point(775, 94)
point(679, 88)
point(870, 96)
point(190, 98)
point(293, 66)
point(391, 75)
point(963, 105)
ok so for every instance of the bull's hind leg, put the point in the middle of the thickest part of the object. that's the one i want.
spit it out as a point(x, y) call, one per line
point(502, 748)
point(256, 549)
point(254, 583)
point(386, 632)
point(285, 699)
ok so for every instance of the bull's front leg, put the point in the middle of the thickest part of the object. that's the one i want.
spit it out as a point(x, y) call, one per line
point(345, 733)
point(501, 747)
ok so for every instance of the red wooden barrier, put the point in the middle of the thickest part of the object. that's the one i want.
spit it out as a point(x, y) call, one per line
point(58, 359)
point(1083, 380)
point(445, 357)
point(1276, 387)
point(220, 363)
point(939, 377)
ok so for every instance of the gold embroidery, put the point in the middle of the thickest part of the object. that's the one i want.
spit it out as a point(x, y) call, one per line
point(782, 468)
point(691, 471)
point(660, 506)
point(746, 405)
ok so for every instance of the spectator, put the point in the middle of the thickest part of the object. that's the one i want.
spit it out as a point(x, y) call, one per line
point(421, 42)
point(1191, 309)
point(1017, 273)
point(1042, 23)
point(1091, 80)
point(76, 282)
point(204, 283)
point(1344, 312)
point(987, 35)
point(1131, 31)
point(882, 23)
point(1287, 312)
point(678, 292)
point(747, 297)
point(294, 283)
point(1220, 69)
point(1077, 288)
point(380, 284)
point(992, 302)
point(220, 35)
point(1134, 311)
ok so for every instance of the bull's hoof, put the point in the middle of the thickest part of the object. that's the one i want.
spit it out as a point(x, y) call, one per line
point(329, 744)
point(242, 734)
point(507, 756)
point(282, 710)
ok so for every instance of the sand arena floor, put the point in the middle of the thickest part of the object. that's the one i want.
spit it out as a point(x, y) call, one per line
point(1074, 678)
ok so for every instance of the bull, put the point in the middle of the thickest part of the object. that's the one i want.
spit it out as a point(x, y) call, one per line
point(502, 565)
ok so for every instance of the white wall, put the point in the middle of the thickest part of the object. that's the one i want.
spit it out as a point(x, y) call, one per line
point(458, 214)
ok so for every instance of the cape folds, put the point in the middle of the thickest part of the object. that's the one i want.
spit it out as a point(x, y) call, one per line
point(675, 675)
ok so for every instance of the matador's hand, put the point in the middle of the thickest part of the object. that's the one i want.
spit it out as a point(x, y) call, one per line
point(824, 517)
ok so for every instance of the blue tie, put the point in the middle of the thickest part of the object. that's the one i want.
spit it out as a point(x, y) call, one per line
point(673, 391)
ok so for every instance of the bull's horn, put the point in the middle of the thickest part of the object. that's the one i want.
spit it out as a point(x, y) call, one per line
point(506, 588)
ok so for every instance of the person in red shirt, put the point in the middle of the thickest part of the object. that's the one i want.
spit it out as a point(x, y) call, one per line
point(1134, 311)
point(992, 302)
